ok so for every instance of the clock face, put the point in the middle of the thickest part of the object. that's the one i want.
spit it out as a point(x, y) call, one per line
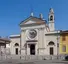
point(32, 33)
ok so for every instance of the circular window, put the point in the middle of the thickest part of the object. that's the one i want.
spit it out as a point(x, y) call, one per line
point(32, 33)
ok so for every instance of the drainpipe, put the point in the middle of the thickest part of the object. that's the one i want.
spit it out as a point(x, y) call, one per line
point(20, 46)
point(5, 50)
point(57, 44)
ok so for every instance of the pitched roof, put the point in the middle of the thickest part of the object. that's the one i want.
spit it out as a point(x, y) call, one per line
point(15, 36)
point(64, 32)
point(37, 20)
point(4, 40)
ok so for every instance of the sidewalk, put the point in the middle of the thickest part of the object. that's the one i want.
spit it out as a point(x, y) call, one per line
point(20, 61)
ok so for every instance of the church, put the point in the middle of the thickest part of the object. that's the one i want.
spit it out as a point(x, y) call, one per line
point(37, 37)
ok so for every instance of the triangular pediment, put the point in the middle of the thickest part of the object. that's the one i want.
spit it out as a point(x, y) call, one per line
point(32, 20)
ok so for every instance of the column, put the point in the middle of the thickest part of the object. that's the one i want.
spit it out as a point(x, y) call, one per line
point(28, 49)
point(36, 49)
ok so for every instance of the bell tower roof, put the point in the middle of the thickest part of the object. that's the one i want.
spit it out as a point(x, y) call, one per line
point(51, 10)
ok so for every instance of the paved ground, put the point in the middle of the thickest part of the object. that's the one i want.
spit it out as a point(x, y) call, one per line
point(18, 61)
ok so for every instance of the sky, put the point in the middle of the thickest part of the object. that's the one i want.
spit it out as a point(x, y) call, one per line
point(12, 12)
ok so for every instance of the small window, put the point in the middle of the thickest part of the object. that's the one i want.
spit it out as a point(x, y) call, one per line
point(51, 43)
point(57, 44)
point(64, 48)
point(63, 38)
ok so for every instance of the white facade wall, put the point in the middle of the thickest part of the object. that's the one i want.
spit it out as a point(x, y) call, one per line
point(52, 38)
point(12, 45)
point(39, 45)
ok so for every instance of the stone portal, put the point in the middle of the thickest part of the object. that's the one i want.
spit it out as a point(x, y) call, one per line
point(32, 49)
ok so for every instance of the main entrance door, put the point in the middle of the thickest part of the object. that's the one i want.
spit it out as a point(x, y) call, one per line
point(51, 50)
point(16, 51)
point(32, 49)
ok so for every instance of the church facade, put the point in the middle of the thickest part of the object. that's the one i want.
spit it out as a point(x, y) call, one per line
point(37, 37)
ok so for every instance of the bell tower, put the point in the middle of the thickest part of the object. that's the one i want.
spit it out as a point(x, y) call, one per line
point(51, 20)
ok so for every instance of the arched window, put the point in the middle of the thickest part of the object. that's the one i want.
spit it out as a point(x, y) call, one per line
point(16, 44)
point(51, 18)
point(51, 43)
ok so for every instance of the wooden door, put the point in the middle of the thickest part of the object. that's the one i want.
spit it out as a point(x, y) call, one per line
point(51, 50)
point(16, 51)
point(32, 49)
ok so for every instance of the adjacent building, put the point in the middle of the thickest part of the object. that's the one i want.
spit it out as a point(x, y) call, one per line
point(63, 45)
point(4, 46)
